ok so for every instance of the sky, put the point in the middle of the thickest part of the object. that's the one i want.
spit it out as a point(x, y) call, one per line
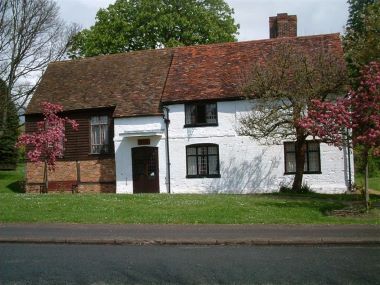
point(314, 16)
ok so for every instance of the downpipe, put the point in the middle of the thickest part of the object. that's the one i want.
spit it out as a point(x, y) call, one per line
point(167, 122)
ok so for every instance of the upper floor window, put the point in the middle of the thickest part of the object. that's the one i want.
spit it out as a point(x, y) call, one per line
point(312, 157)
point(201, 114)
point(202, 160)
point(100, 134)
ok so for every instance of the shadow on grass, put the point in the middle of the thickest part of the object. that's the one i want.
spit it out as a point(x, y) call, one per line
point(325, 197)
point(298, 203)
point(16, 187)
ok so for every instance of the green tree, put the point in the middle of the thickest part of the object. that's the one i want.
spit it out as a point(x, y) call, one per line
point(361, 46)
point(361, 41)
point(355, 13)
point(130, 25)
point(8, 151)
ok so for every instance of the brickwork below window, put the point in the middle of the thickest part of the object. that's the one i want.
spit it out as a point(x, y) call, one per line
point(96, 175)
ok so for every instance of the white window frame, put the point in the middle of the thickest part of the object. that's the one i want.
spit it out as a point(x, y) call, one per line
point(101, 144)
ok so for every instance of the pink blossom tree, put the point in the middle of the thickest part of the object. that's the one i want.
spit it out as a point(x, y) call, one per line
point(359, 111)
point(47, 143)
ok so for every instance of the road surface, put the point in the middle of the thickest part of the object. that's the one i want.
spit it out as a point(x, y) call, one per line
point(127, 264)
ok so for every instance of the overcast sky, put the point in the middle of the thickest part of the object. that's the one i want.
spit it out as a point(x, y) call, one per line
point(314, 16)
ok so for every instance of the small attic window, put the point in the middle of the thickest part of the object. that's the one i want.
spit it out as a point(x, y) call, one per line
point(201, 114)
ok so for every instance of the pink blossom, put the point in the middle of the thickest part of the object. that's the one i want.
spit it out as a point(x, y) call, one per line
point(47, 141)
point(359, 111)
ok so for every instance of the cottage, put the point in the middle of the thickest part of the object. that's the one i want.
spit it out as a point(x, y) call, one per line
point(165, 121)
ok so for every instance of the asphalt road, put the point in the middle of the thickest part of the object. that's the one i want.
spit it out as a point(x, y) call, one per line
point(106, 264)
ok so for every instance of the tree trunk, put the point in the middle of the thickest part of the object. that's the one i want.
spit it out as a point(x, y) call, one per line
point(366, 187)
point(366, 193)
point(300, 160)
point(46, 183)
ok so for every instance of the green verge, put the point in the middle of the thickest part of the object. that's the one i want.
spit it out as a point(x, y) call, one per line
point(11, 181)
point(176, 209)
point(373, 182)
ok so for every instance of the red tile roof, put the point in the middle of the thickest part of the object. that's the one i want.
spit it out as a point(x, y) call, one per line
point(216, 71)
point(137, 82)
point(131, 82)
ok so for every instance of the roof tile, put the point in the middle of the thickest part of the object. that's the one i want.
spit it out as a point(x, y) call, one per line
point(131, 82)
point(136, 82)
point(216, 71)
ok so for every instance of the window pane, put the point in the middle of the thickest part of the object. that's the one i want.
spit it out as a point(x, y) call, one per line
point(94, 120)
point(202, 150)
point(191, 150)
point(290, 147)
point(290, 159)
point(313, 165)
point(202, 160)
point(213, 164)
point(99, 134)
point(305, 164)
point(103, 119)
point(201, 114)
point(212, 150)
point(314, 162)
point(96, 149)
point(190, 114)
point(211, 113)
point(192, 165)
point(95, 139)
point(202, 165)
point(104, 134)
point(313, 146)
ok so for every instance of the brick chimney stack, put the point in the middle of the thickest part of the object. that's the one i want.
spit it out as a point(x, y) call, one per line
point(283, 25)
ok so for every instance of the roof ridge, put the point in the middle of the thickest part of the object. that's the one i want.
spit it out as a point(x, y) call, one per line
point(131, 53)
point(259, 40)
point(127, 53)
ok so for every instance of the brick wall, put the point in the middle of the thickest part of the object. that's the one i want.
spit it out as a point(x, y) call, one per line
point(96, 175)
point(283, 25)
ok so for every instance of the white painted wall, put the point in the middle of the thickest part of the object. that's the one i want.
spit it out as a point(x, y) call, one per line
point(245, 165)
point(124, 145)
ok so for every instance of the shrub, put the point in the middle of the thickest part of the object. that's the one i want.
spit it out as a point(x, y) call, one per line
point(8, 151)
point(304, 189)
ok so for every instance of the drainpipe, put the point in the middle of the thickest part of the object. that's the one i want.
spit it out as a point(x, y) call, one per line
point(167, 122)
point(349, 162)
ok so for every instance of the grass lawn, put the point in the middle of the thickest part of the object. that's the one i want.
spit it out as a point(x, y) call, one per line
point(175, 209)
point(373, 182)
point(9, 180)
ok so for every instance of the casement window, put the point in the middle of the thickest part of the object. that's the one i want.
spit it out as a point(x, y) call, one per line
point(312, 158)
point(99, 134)
point(202, 160)
point(201, 114)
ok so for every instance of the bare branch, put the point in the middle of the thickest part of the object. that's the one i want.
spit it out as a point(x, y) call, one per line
point(285, 80)
point(31, 36)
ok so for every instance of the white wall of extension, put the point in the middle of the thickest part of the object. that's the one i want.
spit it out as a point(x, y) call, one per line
point(127, 133)
point(245, 165)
